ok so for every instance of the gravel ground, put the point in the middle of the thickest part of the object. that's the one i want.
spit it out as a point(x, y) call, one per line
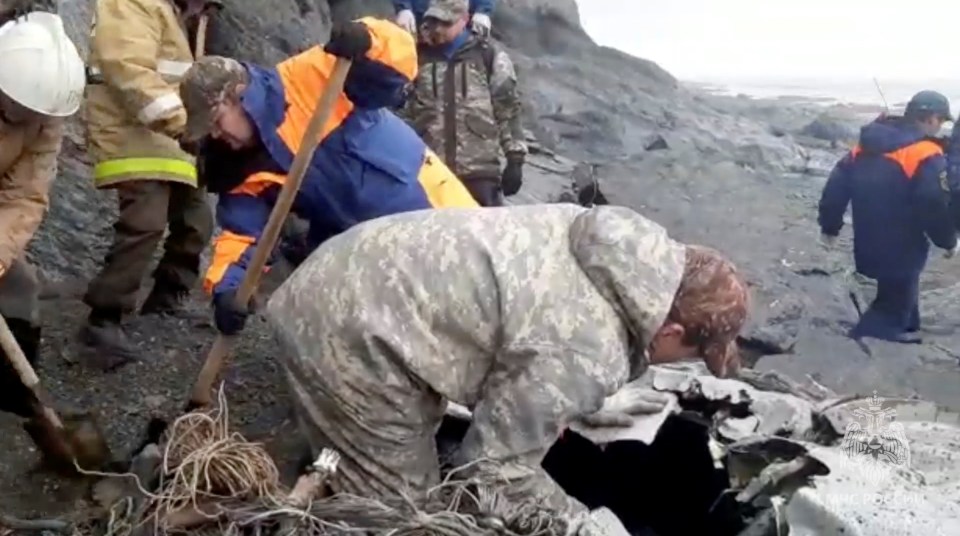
point(124, 401)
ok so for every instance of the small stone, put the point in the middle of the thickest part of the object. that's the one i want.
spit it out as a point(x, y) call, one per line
point(155, 401)
point(108, 491)
point(657, 143)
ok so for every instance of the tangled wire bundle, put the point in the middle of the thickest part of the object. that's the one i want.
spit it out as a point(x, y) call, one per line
point(233, 485)
point(454, 508)
point(204, 463)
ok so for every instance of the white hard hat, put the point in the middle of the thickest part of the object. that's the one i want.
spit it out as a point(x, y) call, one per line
point(40, 67)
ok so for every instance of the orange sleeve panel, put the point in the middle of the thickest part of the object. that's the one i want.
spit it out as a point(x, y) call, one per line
point(228, 248)
point(443, 188)
point(242, 214)
point(304, 77)
point(910, 157)
point(379, 80)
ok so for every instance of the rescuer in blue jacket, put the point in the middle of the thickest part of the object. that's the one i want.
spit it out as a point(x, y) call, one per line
point(896, 181)
point(249, 121)
point(953, 173)
point(410, 14)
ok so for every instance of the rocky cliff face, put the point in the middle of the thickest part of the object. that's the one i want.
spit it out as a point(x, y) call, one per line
point(734, 173)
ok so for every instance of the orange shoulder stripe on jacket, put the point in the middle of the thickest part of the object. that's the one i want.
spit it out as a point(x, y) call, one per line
point(911, 156)
point(228, 247)
point(304, 78)
point(258, 182)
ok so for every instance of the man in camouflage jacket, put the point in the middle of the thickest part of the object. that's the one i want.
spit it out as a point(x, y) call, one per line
point(466, 103)
point(530, 316)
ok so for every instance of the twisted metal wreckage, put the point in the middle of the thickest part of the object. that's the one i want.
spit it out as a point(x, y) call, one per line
point(757, 456)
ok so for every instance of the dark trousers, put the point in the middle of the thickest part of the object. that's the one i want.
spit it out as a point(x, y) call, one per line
point(894, 311)
point(19, 305)
point(485, 190)
point(147, 208)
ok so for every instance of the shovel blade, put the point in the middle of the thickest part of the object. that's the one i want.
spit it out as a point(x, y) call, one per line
point(80, 439)
point(87, 441)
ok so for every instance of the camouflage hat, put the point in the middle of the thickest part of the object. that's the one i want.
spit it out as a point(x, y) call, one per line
point(447, 10)
point(204, 86)
point(711, 304)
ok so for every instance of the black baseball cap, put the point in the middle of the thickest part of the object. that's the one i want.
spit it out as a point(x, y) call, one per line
point(928, 101)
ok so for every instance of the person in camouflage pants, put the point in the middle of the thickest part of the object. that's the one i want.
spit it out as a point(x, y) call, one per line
point(466, 103)
point(528, 315)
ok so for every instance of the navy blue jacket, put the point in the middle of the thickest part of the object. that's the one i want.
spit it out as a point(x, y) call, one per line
point(419, 7)
point(895, 178)
point(953, 172)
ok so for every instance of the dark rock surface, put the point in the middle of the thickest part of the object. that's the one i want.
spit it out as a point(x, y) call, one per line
point(829, 129)
point(735, 173)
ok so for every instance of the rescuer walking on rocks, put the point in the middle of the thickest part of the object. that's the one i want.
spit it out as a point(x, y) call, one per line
point(896, 180)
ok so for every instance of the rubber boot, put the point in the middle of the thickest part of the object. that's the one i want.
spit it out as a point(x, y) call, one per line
point(15, 397)
point(105, 344)
point(903, 337)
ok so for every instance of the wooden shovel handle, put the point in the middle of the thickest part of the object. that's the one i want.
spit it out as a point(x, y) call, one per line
point(201, 395)
point(201, 43)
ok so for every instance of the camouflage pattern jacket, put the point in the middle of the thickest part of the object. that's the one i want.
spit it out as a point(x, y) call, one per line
point(528, 315)
point(472, 98)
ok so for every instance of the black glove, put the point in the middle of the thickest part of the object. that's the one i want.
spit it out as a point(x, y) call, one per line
point(350, 40)
point(512, 178)
point(228, 316)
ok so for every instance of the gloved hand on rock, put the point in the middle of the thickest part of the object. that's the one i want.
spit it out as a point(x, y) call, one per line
point(511, 180)
point(480, 24)
point(407, 21)
point(620, 409)
point(950, 253)
point(351, 40)
point(228, 316)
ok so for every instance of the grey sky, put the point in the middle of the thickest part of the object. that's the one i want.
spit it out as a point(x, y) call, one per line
point(716, 39)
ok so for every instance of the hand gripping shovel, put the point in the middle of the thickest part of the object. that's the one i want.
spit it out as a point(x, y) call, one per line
point(82, 443)
point(201, 394)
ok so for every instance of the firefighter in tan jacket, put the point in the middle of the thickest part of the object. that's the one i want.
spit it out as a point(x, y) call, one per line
point(139, 51)
point(41, 83)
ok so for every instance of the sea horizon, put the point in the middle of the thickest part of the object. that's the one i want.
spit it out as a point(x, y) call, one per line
point(829, 90)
